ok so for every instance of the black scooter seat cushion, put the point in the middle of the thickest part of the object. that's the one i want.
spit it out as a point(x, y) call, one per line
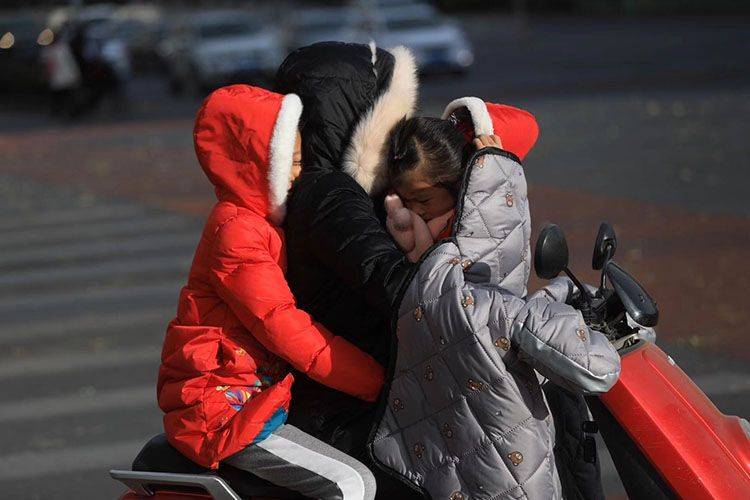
point(160, 456)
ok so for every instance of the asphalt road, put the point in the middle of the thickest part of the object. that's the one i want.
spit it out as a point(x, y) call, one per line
point(643, 123)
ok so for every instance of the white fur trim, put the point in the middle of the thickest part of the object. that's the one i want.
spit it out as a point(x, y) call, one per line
point(374, 51)
point(480, 117)
point(281, 154)
point(365, 157)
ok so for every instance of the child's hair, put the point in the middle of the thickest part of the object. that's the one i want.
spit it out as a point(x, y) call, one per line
point(434, 146)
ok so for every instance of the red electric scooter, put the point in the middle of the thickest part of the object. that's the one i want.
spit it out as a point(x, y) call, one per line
point(666, 438)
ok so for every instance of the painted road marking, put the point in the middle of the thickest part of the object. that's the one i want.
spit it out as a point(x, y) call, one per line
point(173, 264)
point(65, 361)
point(69, 216)
point(34, 464)
point(79, 403)
point(164, 292)
point(80, 232)
point(110, 248)
point(87, 323)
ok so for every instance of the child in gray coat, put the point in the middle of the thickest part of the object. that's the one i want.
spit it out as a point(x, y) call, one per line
point(465, 414)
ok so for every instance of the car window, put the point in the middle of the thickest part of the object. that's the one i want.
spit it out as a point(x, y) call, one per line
point(228, 28)
point(413, 23)
point(323, 21)
point(322, 24)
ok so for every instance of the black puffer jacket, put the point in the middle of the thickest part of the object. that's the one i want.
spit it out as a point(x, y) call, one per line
point(343, 267)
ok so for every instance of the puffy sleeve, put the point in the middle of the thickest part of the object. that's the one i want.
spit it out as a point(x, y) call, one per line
point(552, 337)
point(250, 281)
point(345, 235)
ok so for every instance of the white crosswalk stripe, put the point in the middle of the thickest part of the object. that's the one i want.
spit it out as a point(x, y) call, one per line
point(35, 236)
point(61, 362)
point(81, 402)
point(58, 328)
point(100, 458)
point(123, 246)
point(67, 216)
point(173, 264)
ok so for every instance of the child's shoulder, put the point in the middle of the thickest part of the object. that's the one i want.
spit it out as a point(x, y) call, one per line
point(229, 219)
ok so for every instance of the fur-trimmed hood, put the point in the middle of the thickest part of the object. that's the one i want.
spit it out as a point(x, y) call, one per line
point(244, 139)
point(516, 127)
point(354, 95)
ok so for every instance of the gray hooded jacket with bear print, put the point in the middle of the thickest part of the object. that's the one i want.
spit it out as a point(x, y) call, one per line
point(464, 415)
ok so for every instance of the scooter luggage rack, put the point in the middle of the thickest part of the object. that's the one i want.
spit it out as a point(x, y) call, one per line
point(139, 482)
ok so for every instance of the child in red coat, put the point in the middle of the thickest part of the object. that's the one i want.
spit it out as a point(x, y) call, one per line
point(225, 378)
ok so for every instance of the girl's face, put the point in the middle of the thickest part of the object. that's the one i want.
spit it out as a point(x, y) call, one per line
point(424, 199)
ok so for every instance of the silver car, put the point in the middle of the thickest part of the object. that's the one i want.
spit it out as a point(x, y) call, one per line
point(306, 26)
point(439, 44)
point(216, 48)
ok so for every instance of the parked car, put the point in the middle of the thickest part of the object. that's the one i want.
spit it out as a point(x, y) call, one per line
point(438, 44)
point(138, 39)
point(309, 25)
point(101, 32)
point(141, 27)
point(215, 48)
point(107, 39)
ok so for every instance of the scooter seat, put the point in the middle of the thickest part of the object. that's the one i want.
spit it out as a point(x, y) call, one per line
point(160, 456)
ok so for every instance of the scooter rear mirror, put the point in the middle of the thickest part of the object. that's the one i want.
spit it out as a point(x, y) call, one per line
point(551, 252)
point(605, 246)
point(638, 303)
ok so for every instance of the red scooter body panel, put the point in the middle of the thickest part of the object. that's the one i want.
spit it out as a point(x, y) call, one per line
point(699, 451)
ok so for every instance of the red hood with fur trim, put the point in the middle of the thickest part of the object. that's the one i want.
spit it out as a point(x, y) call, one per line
point(516, 127)
point(244, 139)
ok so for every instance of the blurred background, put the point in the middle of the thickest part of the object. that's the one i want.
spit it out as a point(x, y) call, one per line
point(643, 107)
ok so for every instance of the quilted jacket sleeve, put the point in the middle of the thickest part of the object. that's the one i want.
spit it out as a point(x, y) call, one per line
point(347, 237)
point(251, 282)
point(552, 337)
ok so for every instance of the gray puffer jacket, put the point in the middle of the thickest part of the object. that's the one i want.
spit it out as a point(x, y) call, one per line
point(465, 415)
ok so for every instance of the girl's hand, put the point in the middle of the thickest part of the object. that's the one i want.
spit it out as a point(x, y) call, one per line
point(409, 231)
point(398, 215)
point(488, 141)
point(400, 223)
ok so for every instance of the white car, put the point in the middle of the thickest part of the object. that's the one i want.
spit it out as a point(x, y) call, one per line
point(310, 25)
point(221, 47)
point(438, 44)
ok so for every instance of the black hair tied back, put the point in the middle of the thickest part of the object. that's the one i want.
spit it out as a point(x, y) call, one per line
point(398, 142)
point(402, 148)
point(433, 146)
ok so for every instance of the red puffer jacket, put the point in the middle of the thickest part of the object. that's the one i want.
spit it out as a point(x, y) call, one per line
point(224, 381)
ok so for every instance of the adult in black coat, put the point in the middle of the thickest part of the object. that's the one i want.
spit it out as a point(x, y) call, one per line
point(343, 266)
